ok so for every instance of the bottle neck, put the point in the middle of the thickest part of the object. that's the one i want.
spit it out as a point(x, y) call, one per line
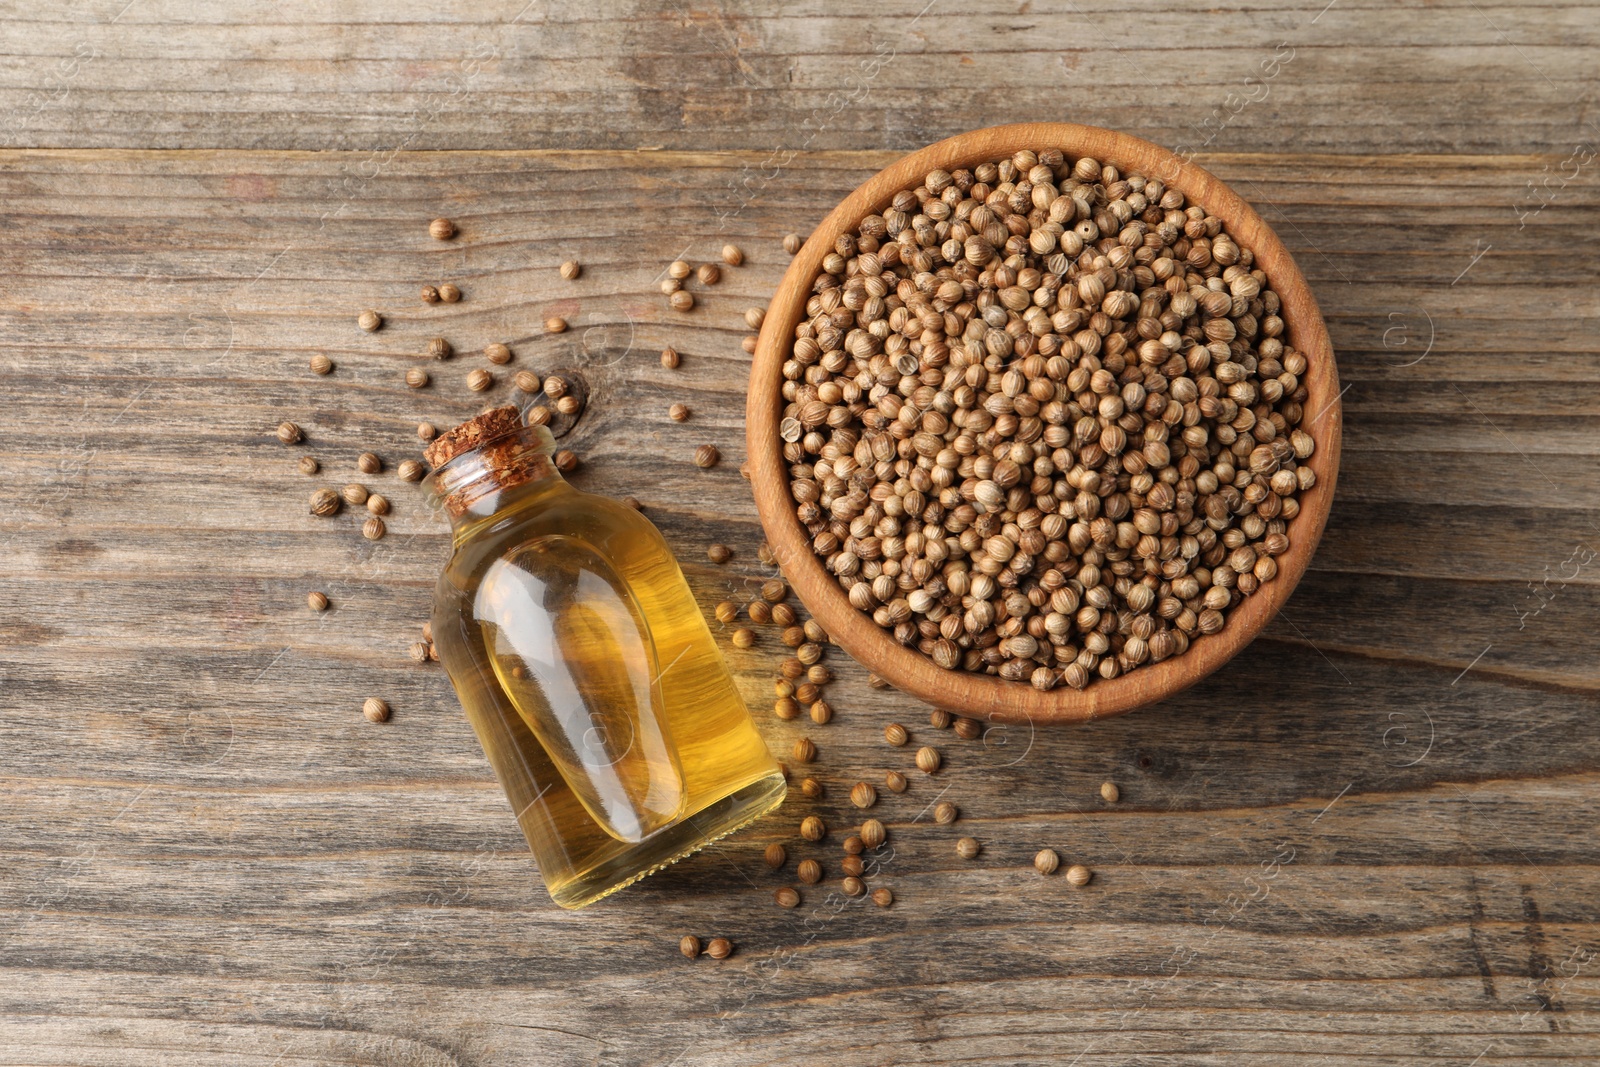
point(479, 483)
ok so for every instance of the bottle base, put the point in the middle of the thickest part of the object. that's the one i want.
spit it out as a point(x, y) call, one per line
point(711, 823)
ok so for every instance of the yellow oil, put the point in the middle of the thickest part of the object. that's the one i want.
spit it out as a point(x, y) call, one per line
point(595, 687)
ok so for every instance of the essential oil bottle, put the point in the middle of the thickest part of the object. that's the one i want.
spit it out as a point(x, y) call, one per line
point(586, 668)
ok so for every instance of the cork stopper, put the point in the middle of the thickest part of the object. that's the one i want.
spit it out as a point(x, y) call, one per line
point(474, 433)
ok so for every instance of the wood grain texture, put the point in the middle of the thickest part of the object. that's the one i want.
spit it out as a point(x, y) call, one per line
point(1368, 840)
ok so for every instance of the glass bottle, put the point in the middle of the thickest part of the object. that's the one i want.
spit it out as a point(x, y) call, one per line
point(586, 669)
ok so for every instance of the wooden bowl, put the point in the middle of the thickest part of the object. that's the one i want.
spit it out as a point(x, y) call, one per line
point(986, 695)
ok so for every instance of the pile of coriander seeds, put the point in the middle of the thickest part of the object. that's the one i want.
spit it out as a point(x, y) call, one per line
point(1042, 422)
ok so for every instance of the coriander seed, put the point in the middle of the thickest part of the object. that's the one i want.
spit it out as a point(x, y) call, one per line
point(727, 611)
point(862, 795)
point(378, 504)
point(895, 781)
point(853, 885)
point(566, 460)
point(896, 734)
point(759, 611)
point(418, 651)
point(945, 813)
point(1078, 874)
point(417, 378)
point(527, 381)
point(783, 615)
point(882, 896)
point(805, 750)
point(812, 788)
point(317, 601)
point(792, 243)
point(809, 872)
point(375, 710)
point(555, 324)
point(309, 465)
point(821, 712)
point(719, 553)
point(568, 405)
point(441, 229)
point(479, 380)
point(786, 708)
point(968, 729)
point(369, 463)
point(873, 834)
point(290, 434)
point(555, 387)
point(670, 286)
point(689, 945)
point(321, 364)
point(427, 431)
point(1046, 861)
point(940, 719)
point(682, 300)
point(449, 293)
point(409, 470)
point(355, 494)
point(706, 456)
point(968, 848)
point(708, 274)
point(743, 638)
point(719, 948)
point(325, 502)
point(852, 865)
point(497, 353)
point(813, 828)
point(753, 317)
point(853, 845)
point(731, 255)
point(633, 502)
point(429, 294)
point(678, 269)
point(678, 412)
point(369, 320)
point(538, 415)
point(928, 759)
point(774, 591)
point(570, 269)
point(670, 358)
point(750, 343)
point(775, 855)
point(1109, 792)
point(373, 529)
point(439, 348)
point(787, 897)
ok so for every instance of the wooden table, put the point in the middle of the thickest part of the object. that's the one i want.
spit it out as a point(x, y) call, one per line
point(1369, 840)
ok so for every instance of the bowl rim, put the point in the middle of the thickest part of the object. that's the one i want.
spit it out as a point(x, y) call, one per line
point(987, 695)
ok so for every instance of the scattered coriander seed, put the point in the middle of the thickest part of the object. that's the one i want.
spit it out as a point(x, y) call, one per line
point(819, 674)
point(792, 243)
point(670, 286)
point(375, 710)
point(743, 638)
point(670, 358)
point(940, 719)
point(317, 601)
point(862, 795)
point(290, 434)
point(430, 294)
point(378, 504)
point(527, 381)
point(427, 629)
point(479, 380)
point(784, 688)
point(731, 255)
point(569, 405)
point(441, 229)
point(373, 529)
point(409, 470)
point(719, 553)
point(678, 269)
point(852, 865)
point(427, 431)
point(753, 317)
point(968, 729)
point(1078, 874)
point(682, 300)
point(786, 708)
point(449, 293)
point(570, 269)
point(678, 412)
point(896, 734)
point(709, 274)
point(355, 494)
point(369, 463)
point(853, 845)
point(555, 387)
point(821, 712)
point(433, 652)
point(945, 813)
point(706, 456)
point(321, 364)
point(764, 554)
point(805, 750)
point(418, 651)
point(719, 948)
point(538, 415)
point(814, 632)
point(812, 828)
point(895, 781)
point(783, 615)
point(882, 896)
point(566, 460)
point(759, 611)
point(727, 611)
point(1109, 792)
point(968, 848)
point(417, 378)
point(793, 636)
point(792, 668)
point(555, 324)
point(369, 320)
point(497, 353)
point(439, 348)
point(775, 855)
point(1046, 861)
point(876, 682)
point(853, 885)
point(928, 759)
point(309, 465)
point(774, 590)
point(873, 834)
point(633, 502)
point(325, 502)
point(750, 343)
point(787, 897)
point(689, 946)
point(809, 872)
point(812, 788)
